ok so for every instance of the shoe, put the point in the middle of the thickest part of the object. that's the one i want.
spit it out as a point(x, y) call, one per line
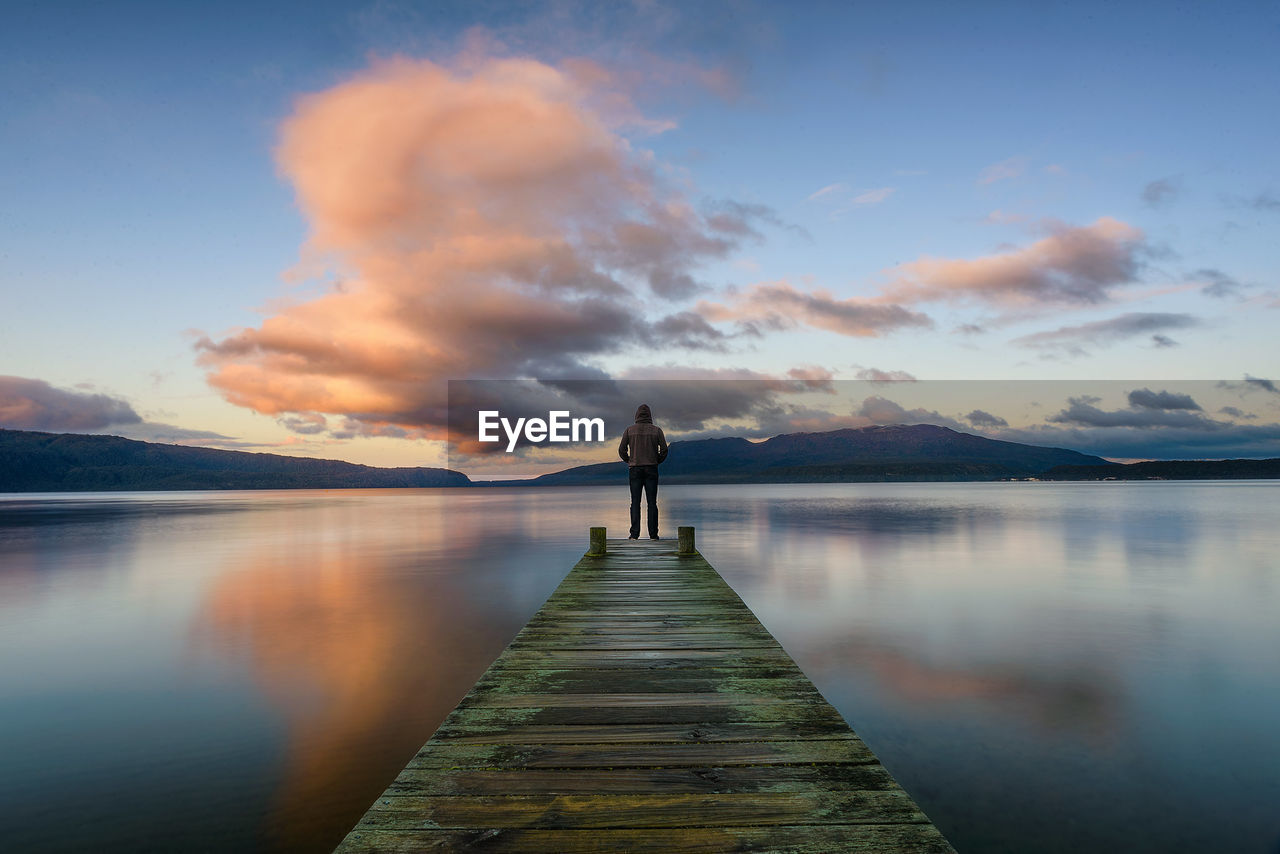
point(634, 537)
point(655, 538)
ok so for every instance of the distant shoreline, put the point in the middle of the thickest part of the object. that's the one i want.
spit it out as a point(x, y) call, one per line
point(67, 462)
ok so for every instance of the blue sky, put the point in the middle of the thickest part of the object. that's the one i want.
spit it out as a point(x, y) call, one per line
point(1112, 168)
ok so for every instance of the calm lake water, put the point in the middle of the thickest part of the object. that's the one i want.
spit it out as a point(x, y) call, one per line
point(1045, 667)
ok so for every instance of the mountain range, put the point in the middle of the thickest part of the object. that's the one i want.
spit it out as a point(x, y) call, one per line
point(52, 462)
point(56, 462)
point(895, 452)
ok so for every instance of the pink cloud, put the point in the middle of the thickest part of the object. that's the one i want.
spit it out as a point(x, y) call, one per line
point(873, 197)
point(1073, 264)
point(827, 191)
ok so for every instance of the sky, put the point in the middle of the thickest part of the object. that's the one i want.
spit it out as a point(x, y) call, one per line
point(286, 227)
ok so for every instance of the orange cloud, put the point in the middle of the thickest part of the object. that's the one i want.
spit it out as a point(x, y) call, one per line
point(487, 218)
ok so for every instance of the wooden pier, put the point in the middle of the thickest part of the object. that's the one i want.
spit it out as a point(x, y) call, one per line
point(644, 708)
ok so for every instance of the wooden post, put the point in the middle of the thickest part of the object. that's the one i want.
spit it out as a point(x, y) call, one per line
point(685, 547)
point(597, 542)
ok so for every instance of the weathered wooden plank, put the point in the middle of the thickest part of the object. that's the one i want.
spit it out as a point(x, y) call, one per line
point(728, 629)
point(713, 678)
point(724, 629)
point(645, 640)
point(446, 755)
point(680, 642)
point(707, 699)
point(464, 732)
point(643, 810)
point(713, 621)
point(522, 681)
point(656, 658)
point(654, 713)
point(578, 781)
point(822, 839)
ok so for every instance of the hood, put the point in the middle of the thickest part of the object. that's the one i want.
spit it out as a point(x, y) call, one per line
point(643, 416)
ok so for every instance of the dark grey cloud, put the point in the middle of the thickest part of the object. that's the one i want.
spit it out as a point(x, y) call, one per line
point(31, 404)
point(306, 424)
point(982, 418)
point(743, 219)
point(1162, 192)
point(876, 376)
point(1073, 339)
point(1083, 411)
point(1255, 441)
point(1145, 398)
point(152, 431)
point(1266, 200)
point(690, 331)
point(1163, 341)
point(1249, 384)
point(1259, 382)
point(1217, 283)
point(1236, 412)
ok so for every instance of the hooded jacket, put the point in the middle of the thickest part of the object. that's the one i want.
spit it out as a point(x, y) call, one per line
point(643, 443)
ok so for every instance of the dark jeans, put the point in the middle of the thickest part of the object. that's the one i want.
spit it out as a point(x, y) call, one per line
point(646, 478)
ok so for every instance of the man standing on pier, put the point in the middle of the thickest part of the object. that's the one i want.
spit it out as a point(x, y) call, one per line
point(643, 448)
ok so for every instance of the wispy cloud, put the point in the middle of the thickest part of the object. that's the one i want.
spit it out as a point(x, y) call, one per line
point(1072, 339)
point(999, 217)
point(1215, 283)
point(1012, 167)
point(828, 190)
point(1250, 384)
point(877, 376)
point(1266, 200)
point(779, 305)
point(873, 197)
point(1162, 192)
point(843, 195)
point(1259, 382)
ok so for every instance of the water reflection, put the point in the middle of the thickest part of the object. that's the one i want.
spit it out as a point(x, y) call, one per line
point(1083, 698)
point(364, 635)
point(247, 671)
point(358, 670)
